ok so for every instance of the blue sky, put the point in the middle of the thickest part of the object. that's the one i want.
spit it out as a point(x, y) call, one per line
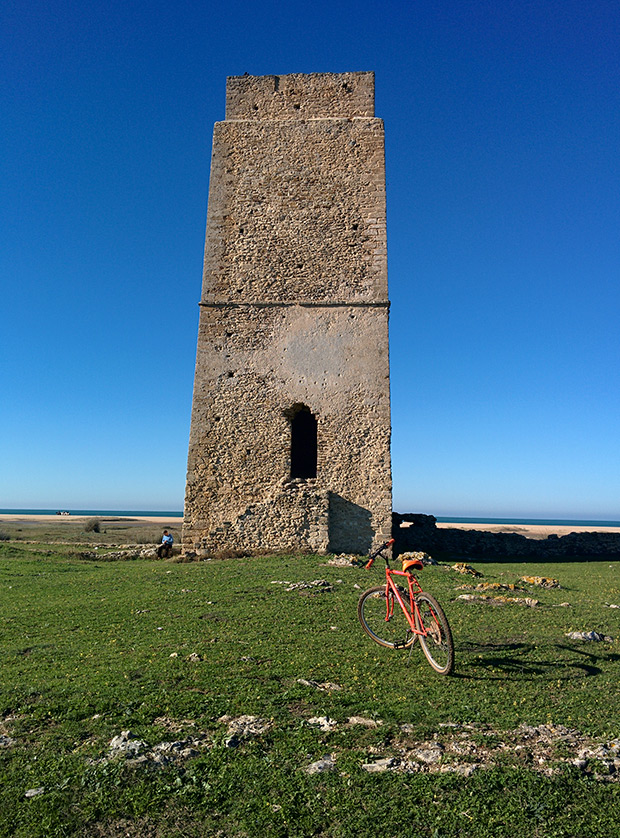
point(503, 177)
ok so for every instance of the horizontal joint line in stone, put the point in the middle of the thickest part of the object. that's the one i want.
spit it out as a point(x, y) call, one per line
point(288, 117)
point(261, 304)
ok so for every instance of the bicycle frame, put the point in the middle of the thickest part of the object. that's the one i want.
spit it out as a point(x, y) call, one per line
point(413, 586)
point(410, 617)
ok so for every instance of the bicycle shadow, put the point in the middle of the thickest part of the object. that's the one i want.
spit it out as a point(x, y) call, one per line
point(501, 661)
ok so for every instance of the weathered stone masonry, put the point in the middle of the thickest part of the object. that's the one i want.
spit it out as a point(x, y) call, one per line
point(290, 435)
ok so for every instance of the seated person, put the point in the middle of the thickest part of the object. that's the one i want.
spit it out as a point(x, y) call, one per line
point(165, 548)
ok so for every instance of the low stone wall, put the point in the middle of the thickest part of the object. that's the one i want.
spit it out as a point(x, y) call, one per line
point(421, 533)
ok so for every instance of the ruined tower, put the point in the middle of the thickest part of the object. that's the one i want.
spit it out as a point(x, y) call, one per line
point(290, 434)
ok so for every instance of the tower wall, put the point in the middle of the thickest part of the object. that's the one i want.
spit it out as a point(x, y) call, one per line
point(294, 315)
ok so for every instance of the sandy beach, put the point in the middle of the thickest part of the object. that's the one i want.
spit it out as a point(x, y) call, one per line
point(537, 531)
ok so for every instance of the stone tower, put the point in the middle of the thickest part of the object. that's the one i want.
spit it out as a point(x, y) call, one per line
point(290, 434)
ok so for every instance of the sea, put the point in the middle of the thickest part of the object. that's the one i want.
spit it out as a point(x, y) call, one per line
point(454, 519)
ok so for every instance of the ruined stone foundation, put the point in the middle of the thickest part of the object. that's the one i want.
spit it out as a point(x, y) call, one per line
point(290, 434)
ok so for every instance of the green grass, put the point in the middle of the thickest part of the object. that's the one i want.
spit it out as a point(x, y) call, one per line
point(86, 650)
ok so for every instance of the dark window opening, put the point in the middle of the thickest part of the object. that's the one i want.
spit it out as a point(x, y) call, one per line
point(303, 444)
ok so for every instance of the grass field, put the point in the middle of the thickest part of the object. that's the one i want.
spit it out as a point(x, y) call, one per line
point(522, 740)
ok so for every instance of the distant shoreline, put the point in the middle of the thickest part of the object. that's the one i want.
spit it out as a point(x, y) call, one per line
point(528, 527)
point(442, 520)
point(536, 522)
point(42, 517)
point(536, 531)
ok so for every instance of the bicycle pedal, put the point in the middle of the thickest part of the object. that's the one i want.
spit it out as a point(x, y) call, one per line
point(400, 644)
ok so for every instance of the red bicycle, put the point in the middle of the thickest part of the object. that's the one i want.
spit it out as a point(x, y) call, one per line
point(418, 614)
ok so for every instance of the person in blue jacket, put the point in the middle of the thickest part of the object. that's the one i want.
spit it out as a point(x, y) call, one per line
point(165, 548)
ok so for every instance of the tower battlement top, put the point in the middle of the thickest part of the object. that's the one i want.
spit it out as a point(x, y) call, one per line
point(301, 96)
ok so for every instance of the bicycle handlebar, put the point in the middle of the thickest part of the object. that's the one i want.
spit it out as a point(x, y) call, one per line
point(374, 555)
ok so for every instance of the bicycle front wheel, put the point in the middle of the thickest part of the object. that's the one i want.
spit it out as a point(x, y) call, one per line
point(383, 620)
point(435, 634)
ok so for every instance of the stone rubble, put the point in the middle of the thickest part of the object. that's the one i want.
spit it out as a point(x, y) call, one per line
point(322, 585)
point(541, 581)
point(344, 560)
point(489, 586)
point(126, 744)
point(324, 723)
point(328, 763)
point(546, 749)
point(126, 554)
point(461, 567)
point(589, 636)
point(243, 727)
point(459, 748)
point(385, 764)
point(325, 686)
point(363, 721)
point(499, 600)
point(429, 753)
point(137, 752)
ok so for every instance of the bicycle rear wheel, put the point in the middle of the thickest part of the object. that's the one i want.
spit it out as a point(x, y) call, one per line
point(383, 620)
point(435, 637)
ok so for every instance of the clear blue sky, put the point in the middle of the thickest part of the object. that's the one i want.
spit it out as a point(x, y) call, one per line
point(503, 175)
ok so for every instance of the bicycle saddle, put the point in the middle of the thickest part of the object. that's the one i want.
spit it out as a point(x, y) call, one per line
point(411, 564)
